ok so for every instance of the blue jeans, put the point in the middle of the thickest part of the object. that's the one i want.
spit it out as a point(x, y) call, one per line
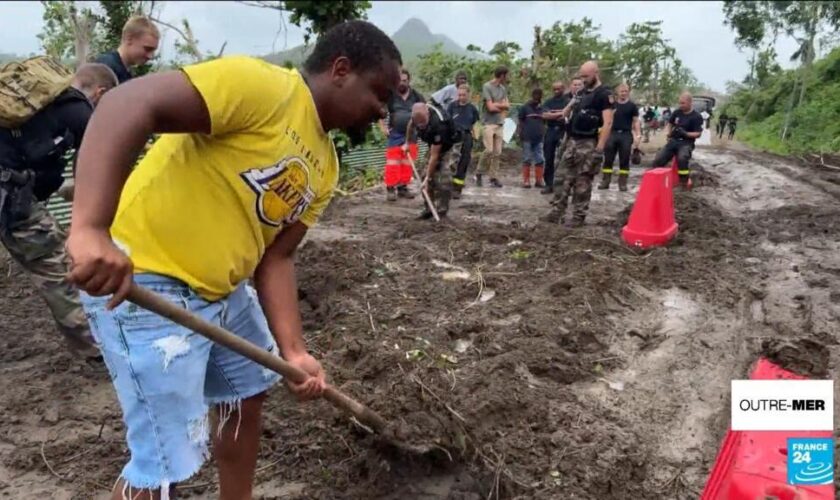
point(532, 153)
point(166, 376)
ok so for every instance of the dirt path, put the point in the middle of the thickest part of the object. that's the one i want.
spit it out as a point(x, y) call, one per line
point(551, 363)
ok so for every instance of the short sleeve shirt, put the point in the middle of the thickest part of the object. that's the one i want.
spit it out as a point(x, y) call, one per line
point(399, 114)
point(440, 131)
point(533, 128)
point(446, 95)
point(690, 122)
point(203, 208)
point(556, 103)
point(464, 116)
point(493, 93)
point(623, 116)
point(113, 60)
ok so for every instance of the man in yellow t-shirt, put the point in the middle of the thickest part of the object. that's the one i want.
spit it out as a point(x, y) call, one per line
point(245, 165)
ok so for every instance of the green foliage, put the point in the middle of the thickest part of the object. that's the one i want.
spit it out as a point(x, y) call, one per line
point(650, 65)
point(65, 23)
point(565, 46)
point(786, 111)
point(320, 16)
point(813, 126)
point(94, 27)
point(642, 56)
point(116, 15)
point(437, 69)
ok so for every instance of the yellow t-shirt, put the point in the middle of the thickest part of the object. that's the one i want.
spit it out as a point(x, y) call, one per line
point(203, 208)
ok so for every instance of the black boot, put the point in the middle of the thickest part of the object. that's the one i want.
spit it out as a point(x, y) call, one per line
point(622, 182)
point(605, 181)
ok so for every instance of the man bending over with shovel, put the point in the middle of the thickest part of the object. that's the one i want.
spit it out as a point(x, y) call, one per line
point(435, 127)
point(244, 167)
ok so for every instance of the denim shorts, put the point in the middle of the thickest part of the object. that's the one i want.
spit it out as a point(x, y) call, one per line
point(532, 153)
point(167, 376)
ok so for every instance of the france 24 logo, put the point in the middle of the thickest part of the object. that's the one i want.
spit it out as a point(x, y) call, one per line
point(810, 461)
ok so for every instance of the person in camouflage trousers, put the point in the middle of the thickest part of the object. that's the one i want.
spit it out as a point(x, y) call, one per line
point(579, 165)
point(590, 121)
point(32, 160)
point(440, 183)
point(37, 244)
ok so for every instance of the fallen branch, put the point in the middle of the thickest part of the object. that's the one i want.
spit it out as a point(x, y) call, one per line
point(47, 463)
point(370, 316)
point(438, 399)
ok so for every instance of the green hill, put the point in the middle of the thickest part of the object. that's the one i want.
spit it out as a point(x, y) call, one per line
point(7, 58)
point(413, 39)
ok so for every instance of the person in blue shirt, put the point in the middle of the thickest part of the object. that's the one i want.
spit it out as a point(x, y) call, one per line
point(531, 132)
point(140, 40)
point(465, 115)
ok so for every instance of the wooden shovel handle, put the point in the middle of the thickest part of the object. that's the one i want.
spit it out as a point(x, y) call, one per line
point(156, 304)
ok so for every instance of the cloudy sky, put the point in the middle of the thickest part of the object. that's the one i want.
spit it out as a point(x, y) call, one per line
point(696, 29)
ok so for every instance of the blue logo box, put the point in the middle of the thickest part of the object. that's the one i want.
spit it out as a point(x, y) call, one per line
point(810, 461)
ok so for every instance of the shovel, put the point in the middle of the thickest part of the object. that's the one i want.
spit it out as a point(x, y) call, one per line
point(364, 415)
point(424, 193)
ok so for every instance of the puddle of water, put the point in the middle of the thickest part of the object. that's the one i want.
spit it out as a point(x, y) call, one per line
point(679, 311)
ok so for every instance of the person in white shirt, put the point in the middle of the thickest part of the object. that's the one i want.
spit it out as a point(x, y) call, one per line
point(449, 94)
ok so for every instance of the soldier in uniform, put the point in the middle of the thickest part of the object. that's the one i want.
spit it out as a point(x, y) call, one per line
point(590, 121)
point(444, 138)
point(31, 166)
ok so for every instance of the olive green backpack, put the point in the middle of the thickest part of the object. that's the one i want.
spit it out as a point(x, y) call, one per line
point(29, 86)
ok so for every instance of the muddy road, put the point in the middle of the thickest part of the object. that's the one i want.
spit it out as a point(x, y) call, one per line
point(550, 363)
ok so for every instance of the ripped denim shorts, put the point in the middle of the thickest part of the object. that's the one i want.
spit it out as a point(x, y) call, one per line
point(167, 376)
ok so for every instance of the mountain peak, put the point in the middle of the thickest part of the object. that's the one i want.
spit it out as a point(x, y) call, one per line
point(414, 28)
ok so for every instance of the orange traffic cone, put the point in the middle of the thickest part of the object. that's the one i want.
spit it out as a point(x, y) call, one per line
point(651, 221)
point(753, 464)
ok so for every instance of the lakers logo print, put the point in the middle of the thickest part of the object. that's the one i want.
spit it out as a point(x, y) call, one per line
point(283, 191)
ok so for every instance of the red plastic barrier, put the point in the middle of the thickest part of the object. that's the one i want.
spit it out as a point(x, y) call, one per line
point(675, 169)
point(651, 221)
point(752, 465)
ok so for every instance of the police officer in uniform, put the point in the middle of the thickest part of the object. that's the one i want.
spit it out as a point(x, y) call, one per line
point(437, 129)
point(625, 135)
point(590, 122)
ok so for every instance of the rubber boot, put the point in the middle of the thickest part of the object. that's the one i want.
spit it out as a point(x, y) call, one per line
point(605, 181)
point(538, 173)
point(404, 192)
point(622, 182)
point(392, 194)
point(478, 180)
point(526, 176)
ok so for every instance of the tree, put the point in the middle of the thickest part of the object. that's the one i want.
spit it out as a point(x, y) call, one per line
point(756, 22)
point(80, 29)
point(317, 17)
point(69, 30)
point(565, 46)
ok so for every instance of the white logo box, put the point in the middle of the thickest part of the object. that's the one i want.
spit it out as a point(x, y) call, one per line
point(782, 405)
